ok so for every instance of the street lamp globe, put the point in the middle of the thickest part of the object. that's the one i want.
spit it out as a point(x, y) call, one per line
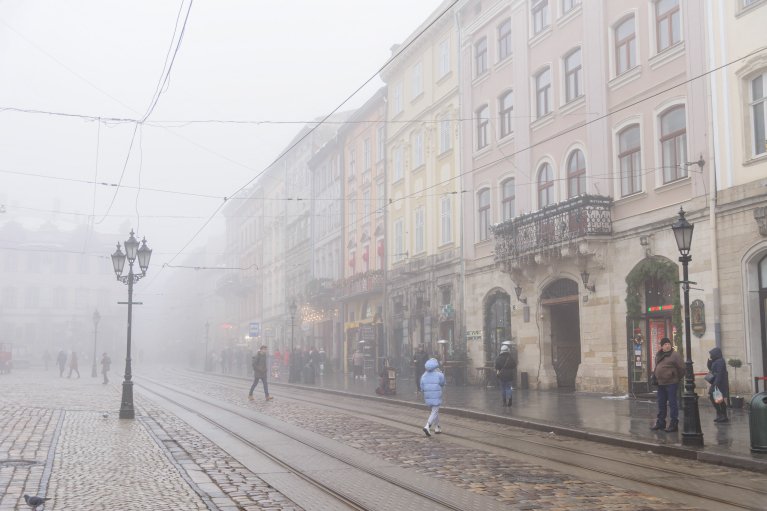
point(144, 255)
point(683, 233)
point(118, 261)
point(131, 247)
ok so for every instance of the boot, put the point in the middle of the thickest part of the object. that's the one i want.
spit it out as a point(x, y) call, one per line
point(509, 403)
point(673, 426)
point(659, 425)
point(721, 413)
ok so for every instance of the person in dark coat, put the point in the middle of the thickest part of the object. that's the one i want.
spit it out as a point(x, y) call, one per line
point(73, 365)
point(669, 369)
point(504, 368)
point(419, 359)
point(260, 372)
point(61, 360)
point(311, 367)
point(106, 363)
point(718, 368)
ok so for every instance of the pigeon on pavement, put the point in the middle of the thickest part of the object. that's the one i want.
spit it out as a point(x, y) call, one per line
point(35, 502)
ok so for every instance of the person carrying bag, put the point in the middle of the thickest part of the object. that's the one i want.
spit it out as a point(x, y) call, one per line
point(504, 369)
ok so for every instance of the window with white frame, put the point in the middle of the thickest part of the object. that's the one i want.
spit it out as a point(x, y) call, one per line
point(399, 163)
point(569, 5)
point(420, 235)
point(508, 197)
point(352, 163)
point(483, 122)
point(576, 174)
point(380, 199)
point(351, 215)
point(480, 57)
point(367, 157)
point(545, 185)
point(625, 46)
point(758, 107)
point(540, 14)
point(417, 149)
point(446, 217)
point(667, 24)
point(573, 75)
point(629, 160)
point(445, 141)
point(483, 214)
point(380, 143)
point(504, 110)
point(366, 206)
point(543, 93)
point(444, 58)
point(417, 85)
point(673, 143)
point(504, 40)
point(399, 240)
point(397, 98)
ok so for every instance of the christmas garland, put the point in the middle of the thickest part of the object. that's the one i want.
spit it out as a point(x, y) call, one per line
point(659, 269)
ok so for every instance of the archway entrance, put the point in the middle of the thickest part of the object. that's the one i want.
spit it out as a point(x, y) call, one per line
point(561, 298)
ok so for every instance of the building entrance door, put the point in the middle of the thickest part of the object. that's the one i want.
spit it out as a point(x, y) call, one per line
point(561, 297)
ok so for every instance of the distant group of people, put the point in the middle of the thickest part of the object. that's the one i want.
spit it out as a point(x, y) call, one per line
point(63, 361)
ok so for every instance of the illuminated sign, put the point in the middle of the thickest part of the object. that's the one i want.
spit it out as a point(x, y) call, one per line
point(660, 308)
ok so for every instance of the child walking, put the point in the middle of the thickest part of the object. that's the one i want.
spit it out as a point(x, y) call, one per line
point(432, 382)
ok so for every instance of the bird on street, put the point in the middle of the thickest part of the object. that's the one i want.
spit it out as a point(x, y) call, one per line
point(35, 502)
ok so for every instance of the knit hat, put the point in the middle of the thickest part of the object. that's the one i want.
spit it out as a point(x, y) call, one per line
point(665, 340)
point(504, 348)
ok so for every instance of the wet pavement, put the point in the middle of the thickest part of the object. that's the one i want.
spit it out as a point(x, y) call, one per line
point(613, 419)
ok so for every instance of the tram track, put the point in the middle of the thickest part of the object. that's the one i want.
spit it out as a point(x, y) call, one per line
point(676, 480)
point(343, 496)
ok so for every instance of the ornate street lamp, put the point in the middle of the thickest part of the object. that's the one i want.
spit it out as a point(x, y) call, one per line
point(96, 319)
point(144, 254)
point(293, 376)
point(691, 432)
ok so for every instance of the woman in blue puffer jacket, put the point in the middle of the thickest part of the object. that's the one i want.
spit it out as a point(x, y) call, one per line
point(432, 382)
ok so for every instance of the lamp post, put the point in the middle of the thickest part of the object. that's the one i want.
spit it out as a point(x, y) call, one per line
point(293, 376)
point(691, 432)
point(132, 251)
point(96, 319)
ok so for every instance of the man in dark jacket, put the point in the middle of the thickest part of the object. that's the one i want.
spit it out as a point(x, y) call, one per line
point(718, 368)
point(669, 369)
point(419, 360)
point(259, 373)
point(504, 368)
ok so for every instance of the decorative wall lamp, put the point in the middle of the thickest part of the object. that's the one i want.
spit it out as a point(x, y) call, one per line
point(518, 291)
point(585, 279)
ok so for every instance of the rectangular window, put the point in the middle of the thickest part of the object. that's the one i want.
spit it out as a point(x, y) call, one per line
point(673, 143)
point(366, 206)
point(352, 213)
point(483, 120)
point(509, 197)
point(444, 58)
point(543, 93)
point(569, 5)
point(420, 235)
point(417, 85)
point(573, 76)
point(366, 154)
point(399, 240)
point(540, 13)
point(417, 150)
point(380, 199)
point(446, 220)
point(629, 161)
point(480, 57)
point(504, 40)
point(444, 134)
point(504, 109)
point(397, 98)
point(483, 214)
point(625, 46)
point(33, 297)
point(759, 113)
point(352, 164)
point(399, 164)
point(667, 23)
point(380, 143)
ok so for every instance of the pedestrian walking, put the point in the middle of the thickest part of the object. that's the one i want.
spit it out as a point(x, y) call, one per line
point(106, 363)
point(73, 365)
point(358, 363)
point(505, 363)
point(419, 359)
point(260, 373)
point(61, 360)
point(720, 380)
point(669, 369)
point(431, 385)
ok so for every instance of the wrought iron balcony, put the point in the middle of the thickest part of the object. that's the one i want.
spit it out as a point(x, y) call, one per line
point(361, 283)
point(552, 227)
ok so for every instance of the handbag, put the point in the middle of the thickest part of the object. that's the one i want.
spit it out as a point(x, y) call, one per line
point(717, 395)
point(710, 377)
point(653, 380)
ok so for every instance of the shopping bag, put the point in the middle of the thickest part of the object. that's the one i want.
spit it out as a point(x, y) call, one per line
point(717, 395)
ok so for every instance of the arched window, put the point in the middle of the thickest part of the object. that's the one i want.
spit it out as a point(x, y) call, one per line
point(673, 142)
point(545, 185)
point(507, 199)
point(576, 174)
point(629, 160)
point(483, 214)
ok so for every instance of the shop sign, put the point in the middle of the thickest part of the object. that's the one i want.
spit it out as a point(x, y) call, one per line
point(698, 318)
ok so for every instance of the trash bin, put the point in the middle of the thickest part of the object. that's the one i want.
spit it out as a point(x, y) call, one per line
point(392, 377)
point(758, 422)
point(524, 382)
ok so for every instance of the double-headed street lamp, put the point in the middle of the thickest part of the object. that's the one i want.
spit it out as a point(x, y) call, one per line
point(96, 319)
point(691, 432)
point(132, 251)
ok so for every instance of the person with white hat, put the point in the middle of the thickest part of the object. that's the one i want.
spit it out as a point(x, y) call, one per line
point(505, 364)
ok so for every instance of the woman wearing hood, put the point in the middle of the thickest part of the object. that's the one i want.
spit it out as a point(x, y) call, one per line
point(432, 382)
point(718, 368)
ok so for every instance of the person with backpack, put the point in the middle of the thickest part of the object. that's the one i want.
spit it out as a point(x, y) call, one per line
point(260, 372)
point(505, 364)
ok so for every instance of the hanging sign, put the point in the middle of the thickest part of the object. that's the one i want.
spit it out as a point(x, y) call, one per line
point(698, 318)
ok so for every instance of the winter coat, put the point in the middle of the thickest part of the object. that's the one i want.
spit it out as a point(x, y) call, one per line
point(432, 382)
point(505, 365)
point(669, 367)
point(420, 358)
point(106, 363)
point(718, 368)
point(259, 365)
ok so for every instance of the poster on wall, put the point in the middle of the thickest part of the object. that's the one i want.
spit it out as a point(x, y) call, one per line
point(657, 332)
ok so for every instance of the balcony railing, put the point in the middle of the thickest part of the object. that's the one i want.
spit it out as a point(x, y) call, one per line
point(552, 226)
point(367, 282)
